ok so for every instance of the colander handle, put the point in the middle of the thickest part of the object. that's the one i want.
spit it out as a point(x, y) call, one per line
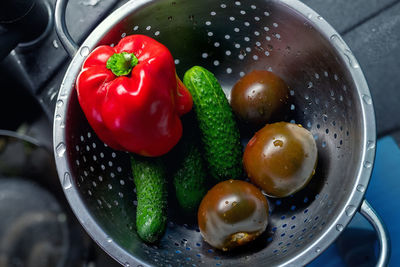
point(61, 28)
point(384, 241)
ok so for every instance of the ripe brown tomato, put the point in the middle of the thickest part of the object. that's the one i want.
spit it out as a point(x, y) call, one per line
point(281, 158)
point(258, 97)
point(232, 213)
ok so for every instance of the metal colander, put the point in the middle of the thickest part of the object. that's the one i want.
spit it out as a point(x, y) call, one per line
point(230, 38)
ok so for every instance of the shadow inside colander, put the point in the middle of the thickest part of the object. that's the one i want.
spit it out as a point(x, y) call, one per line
point(303, 198)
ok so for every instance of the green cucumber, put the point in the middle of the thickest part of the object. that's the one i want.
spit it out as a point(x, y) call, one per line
point(151, 191)
point(190, 176)
point(219, 132)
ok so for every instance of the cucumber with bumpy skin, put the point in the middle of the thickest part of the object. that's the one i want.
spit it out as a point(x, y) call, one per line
point(190, 176)
point(151, 191)
point(219, 132)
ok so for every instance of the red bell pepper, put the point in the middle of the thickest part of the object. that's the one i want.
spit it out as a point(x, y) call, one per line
point(131, 96)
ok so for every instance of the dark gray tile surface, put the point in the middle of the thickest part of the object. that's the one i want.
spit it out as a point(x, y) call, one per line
point(344, 15)
point(376, 44)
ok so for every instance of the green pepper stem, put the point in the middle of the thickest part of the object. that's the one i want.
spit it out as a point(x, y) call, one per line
point(122, 63)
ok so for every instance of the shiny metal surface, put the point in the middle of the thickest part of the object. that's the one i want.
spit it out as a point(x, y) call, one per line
point(384, 240)
point(331, 99)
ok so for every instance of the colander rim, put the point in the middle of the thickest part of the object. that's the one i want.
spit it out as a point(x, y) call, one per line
point(310, 251)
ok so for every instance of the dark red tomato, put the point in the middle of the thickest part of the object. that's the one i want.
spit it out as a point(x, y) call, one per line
point(259, 97)
point(281, 158)
point(232, 213)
